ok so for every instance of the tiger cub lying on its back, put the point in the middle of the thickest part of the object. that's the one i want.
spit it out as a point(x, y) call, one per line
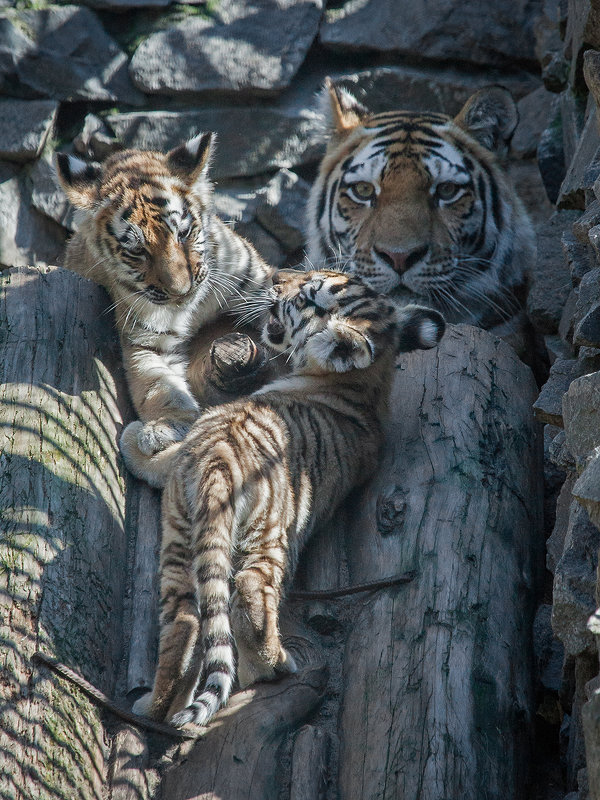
point(419, 205)
point(254, 477)
point(151, 238)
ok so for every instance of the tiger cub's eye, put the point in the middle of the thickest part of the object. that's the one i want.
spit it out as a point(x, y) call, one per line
point(363, 190)
point(447, 190)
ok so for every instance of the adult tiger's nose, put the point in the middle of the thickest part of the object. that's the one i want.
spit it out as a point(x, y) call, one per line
point(401, 260)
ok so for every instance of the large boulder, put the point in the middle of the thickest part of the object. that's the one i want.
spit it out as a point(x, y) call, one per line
point(24, 127)
point(63, 52)
point(255, 47)
point(484, 33)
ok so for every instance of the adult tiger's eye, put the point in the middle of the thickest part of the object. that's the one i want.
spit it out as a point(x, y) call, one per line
point(363, 190)
point(447, 190)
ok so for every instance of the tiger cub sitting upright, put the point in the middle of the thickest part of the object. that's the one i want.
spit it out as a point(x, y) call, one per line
point(419, 206)
point(253, 478)
point(171, 266)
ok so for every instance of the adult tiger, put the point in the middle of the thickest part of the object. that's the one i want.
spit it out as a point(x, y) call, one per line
point(418, 205)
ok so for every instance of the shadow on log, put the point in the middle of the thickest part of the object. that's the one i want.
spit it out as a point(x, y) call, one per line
point(63, 554)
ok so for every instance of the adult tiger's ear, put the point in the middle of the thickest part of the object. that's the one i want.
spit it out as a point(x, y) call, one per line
point(190, 160)
point(490, 116)
point(79, 179)
point(339, 348)
point(342, 111)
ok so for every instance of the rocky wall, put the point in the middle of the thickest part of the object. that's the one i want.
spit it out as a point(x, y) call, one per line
point(97, 76)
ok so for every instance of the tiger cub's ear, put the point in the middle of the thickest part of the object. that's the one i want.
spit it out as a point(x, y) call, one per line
point(340, 348)
point(190, 161)
point(490, 116)
point(79, 179)
point(341, 110)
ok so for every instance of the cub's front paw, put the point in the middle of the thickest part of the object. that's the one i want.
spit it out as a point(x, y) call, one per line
point(236, 363)
point(152, 437)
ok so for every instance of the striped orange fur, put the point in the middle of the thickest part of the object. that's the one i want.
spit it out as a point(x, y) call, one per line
point(150, 236)
point(253, 478)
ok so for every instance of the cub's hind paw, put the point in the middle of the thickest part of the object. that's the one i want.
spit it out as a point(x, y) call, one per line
point(142, 705)
point(236, 362)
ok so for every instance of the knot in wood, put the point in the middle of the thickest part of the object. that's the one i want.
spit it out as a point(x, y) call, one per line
point(390, 512)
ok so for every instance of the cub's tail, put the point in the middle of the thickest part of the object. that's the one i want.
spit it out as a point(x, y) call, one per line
point(212, 525)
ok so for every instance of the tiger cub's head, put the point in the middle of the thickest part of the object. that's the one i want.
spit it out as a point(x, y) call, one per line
point(146, 223)
point(419, 206)
point(333, 322)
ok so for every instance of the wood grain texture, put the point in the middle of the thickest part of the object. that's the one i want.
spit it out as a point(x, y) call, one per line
point(437, 673)
point(63, 553)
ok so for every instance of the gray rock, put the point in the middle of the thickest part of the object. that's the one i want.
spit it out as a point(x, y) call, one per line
point(24, 128)
point(426, 88)
point(586, 322)
point(573, 116)
point(560, 454)
point(250, 47)
point(13, 47)
point(26, 237)
point(550, 277)
point(281, 209)
point(579, 256)
point(591, 73)
point(236, 205)
point(557, 348)
point(575, 583)
point(442, 30)
point(581, 416)
point(556, 541)
point(48, 197)
point(68, 55)
point(591, 730)
point(565, 326)
point(587, 491)
point(549, 653)
point(580, 177)
point(123, 5)
point(535, 111)
point(587, 331)
point(551, 154)
point(583, 26)
point(95, 141)
point(548, 406)
point(583, 224)
point(594, 239)
point(249, 140)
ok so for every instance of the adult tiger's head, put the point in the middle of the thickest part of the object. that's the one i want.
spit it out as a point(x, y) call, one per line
point(332, 321)
point(146, 224)
point(418, 205)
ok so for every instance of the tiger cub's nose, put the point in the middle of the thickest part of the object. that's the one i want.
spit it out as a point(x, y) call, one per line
point(401, 260)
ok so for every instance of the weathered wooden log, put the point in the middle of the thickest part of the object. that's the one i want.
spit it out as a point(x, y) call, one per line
point(437, 677)
point(432, 699)
point(63, 555)
point(239, 756)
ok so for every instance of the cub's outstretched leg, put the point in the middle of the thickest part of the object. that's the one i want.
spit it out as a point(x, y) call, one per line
point(254, 617)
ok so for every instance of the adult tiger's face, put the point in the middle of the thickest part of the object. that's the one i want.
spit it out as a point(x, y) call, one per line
point(149, 219)
point(417, 205)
